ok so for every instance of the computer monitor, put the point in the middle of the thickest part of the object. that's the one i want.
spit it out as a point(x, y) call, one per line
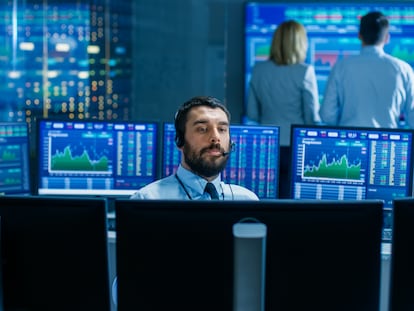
point(1, 273)
point(14, 158)
point(332, 28)
point(402, 269)
point(253, 163)
point(54, 253)
point(102, 158)
point(350, 163)
point(184, 255)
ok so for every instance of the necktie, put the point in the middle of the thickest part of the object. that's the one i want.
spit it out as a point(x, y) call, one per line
point(211, 190)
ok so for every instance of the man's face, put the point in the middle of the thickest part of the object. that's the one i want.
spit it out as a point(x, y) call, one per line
point(206, 138)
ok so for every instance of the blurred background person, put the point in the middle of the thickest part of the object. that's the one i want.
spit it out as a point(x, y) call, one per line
point(373, 88)
point(283, 89)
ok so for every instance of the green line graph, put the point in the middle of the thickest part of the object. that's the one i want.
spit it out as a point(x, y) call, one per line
point(336, 169)
point(64, 161)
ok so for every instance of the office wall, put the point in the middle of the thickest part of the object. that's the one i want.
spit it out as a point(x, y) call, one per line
point(185, 48)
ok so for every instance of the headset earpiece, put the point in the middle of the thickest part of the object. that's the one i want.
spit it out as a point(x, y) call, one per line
point(179, 135)
point(179, 139)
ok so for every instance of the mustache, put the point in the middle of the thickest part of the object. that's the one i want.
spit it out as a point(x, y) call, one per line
point(212, 146)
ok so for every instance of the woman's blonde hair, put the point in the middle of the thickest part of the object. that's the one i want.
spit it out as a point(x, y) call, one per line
point(289, 44)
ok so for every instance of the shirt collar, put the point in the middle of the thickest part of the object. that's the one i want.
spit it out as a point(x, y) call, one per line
point(195, 183)
point(372, 49)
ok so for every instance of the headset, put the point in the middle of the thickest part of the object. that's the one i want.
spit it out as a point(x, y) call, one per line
point(232, 146)
point(179, 138)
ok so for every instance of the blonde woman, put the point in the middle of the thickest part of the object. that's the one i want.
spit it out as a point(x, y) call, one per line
point(283, 89)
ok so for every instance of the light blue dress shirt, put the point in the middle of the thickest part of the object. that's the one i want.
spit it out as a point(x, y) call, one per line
point(185, 185)
point(283, 95)
point(371, 89)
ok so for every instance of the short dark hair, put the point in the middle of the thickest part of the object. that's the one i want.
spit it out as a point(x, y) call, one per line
point(180, 118)
point(373, 28)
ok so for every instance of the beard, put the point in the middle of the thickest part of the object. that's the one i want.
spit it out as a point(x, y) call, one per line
point(201, 166)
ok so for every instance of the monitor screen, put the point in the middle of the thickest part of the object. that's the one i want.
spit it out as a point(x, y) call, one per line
point(253, 163)
point(402, 268)
point(94, 157)
point(306, 255)
point(54, 253)
point(84, 67)
point(14, 158)
point(344, 163)
point(332, 29)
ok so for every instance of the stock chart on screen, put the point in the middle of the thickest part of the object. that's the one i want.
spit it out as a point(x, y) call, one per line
point(253, 162)
point(332, 29)
point(94, 157)
point(340, 163)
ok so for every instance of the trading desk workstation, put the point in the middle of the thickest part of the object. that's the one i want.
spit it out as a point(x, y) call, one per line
point(328, 241)
point(332, 230)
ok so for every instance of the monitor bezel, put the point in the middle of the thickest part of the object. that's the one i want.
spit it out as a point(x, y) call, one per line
point(147, 218)
point(48, 234)
point(349, 128)
point(402, 270)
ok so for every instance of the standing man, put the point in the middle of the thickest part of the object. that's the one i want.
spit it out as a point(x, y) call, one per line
point(372, 89)
point(203, 136)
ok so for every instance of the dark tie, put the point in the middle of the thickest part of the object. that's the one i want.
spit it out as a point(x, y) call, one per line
point(211, 190)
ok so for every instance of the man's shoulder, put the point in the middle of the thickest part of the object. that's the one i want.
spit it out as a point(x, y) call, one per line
point(348, 61)
point(160, 182)
point(349, 64)
point(398, 62)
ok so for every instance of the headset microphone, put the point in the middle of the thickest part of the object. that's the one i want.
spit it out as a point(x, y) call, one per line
point(232, 145)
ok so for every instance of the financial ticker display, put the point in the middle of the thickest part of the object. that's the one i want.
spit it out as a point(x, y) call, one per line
point(14, 158)
point(66, 58)
point(95, 158)
point(253, 161)
point(342, 163)
point(332, 29)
